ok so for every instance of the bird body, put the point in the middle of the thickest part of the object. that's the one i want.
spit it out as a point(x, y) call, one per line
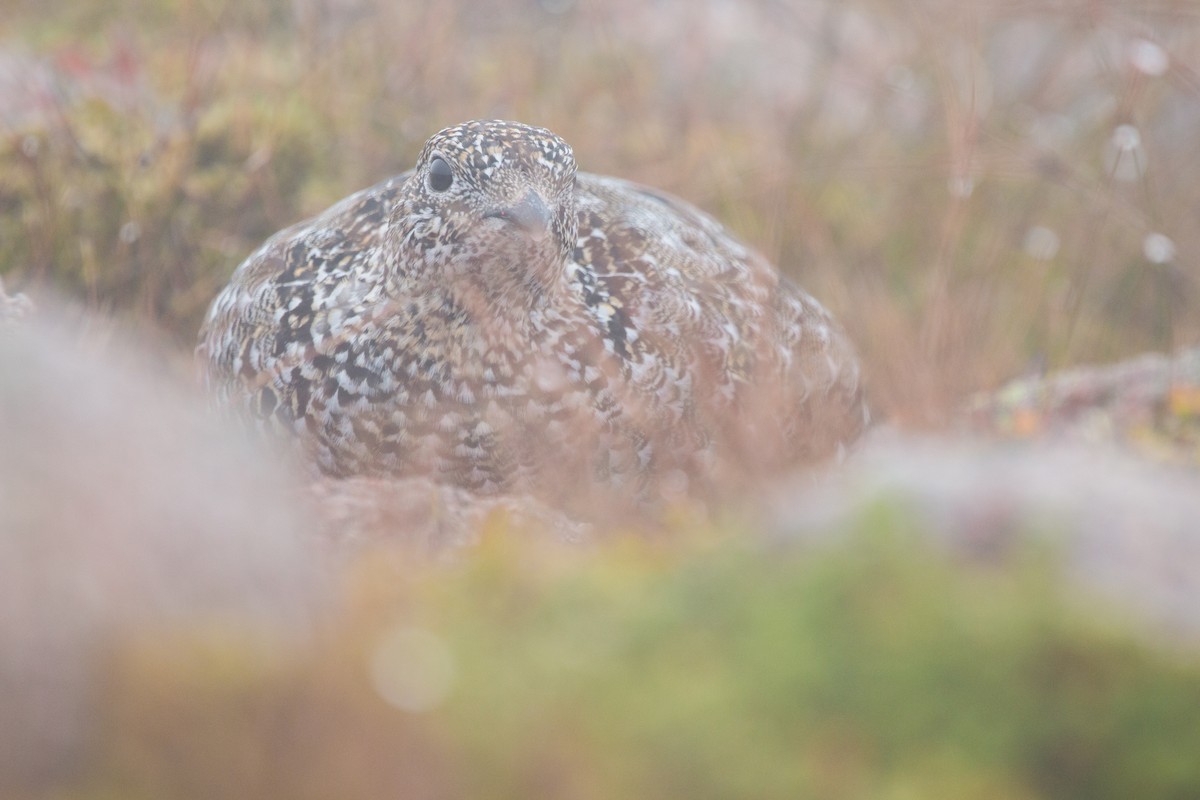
point(497, 321)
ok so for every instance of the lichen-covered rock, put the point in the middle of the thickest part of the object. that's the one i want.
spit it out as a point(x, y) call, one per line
point(1123, 526)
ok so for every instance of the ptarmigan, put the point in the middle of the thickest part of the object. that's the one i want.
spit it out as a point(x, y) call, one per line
point(494, 320)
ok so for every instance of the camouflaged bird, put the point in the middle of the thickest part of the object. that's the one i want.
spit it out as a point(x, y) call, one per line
point(493, 320)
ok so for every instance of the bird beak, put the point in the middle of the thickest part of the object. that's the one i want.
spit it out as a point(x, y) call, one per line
point(531, 215)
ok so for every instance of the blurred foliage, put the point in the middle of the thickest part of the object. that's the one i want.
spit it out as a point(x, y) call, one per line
point(871, 669)
point(953, 179)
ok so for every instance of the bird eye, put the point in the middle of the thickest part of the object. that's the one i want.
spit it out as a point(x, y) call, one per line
point(440, 176)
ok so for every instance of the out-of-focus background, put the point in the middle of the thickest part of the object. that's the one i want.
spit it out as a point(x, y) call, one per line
point(980, 191)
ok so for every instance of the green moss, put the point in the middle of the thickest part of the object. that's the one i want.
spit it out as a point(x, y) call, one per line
point(871, 669)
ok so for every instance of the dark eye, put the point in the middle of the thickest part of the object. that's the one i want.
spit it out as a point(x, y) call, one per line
point(440, 176)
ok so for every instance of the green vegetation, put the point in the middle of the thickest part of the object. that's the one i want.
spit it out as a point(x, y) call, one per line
point(874, 669)
point(973, 188)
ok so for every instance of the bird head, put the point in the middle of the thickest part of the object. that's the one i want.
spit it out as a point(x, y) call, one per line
point(490, 205)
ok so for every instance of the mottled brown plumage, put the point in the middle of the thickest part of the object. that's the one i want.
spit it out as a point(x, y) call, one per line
point(492, 320)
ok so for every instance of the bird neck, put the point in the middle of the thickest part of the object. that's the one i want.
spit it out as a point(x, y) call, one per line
point(517, 302)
